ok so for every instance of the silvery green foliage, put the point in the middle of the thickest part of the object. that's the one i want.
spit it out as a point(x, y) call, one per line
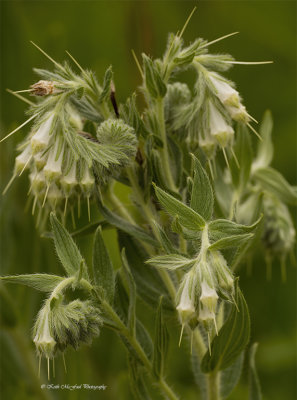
point(194, 218)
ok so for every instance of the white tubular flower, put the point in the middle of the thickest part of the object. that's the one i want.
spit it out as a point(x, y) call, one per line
point(41, 138)
point(219, 128)
point(44, 342)
point(225, 92)
point(209, 297)
point(53, 167)
point(186, 305)
point(23, 159)
point(38, 182)
point(238, 113)
point(69, 181)
point(54, 196)
point(40, 160)
point(88, 181)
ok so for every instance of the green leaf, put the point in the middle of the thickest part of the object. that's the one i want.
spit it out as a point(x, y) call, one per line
point(125, 226)
point(161, 343)
point(137, 381)
point(265, 147)
point(230, 377)
point(66, 249)
point(222, 228)
point(102, 266)
point(42, 282)
point(164, 240)
point(272, 181)
point(132, 294)
point(106, 85)
point(254, 383)
point(231, 340)
point(187, 217)
point(171, 262)
point(149, 283)
point(202, 195)
point(230, 241)
point(244, 154)
point(153, 80)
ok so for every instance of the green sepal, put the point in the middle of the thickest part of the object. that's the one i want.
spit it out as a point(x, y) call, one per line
point(161, 343)
point(67, 250)
point(153, 80)
point(202, 195)
point(106, 85)
point(254, 383)
point(232, 338)
point(103, 274)
point(43, 282)
point(187, 217)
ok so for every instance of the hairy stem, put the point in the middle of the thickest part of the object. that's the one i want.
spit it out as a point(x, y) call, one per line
point(124, 331)
point(213, 392)
point(164, 151)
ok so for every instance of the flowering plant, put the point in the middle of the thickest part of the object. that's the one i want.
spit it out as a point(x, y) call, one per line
point(201, 201)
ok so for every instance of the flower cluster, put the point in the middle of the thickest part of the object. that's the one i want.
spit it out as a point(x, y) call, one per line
point(208, 280)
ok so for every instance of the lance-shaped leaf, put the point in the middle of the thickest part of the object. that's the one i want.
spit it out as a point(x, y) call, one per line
point(137, 381)
point(161, 343)
point(254, 383)
point(171, 262)
point(231, 340)
point(132, 294)
point(67, 250)
point(125, 226)
point(230, 376)
point(244, 154)
point(153, 80)
point(150, 285)
point(202, 195)
point(231, 241)
point(221, 228)
point(165, 242)
point(272, 181)
point(187, 217)
point(265, 146)
point(42, 282)
point(102, 266)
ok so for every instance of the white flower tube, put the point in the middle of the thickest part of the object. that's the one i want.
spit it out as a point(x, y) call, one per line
point(53, 167)
point(41, 138)
point(218, 127)
point(23, 159)
point(209, 297)
point(225, 92)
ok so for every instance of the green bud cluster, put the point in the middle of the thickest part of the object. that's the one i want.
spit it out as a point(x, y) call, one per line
point(61, 323)
point(278, 233)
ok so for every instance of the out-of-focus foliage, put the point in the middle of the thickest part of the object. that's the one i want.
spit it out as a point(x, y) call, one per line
point(98, 34)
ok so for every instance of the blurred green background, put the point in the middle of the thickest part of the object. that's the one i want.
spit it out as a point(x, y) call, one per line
point(100, 33)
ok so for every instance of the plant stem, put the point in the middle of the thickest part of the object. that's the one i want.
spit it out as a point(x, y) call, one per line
point(213, 392)
point(124, 331)
point(164, 152)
